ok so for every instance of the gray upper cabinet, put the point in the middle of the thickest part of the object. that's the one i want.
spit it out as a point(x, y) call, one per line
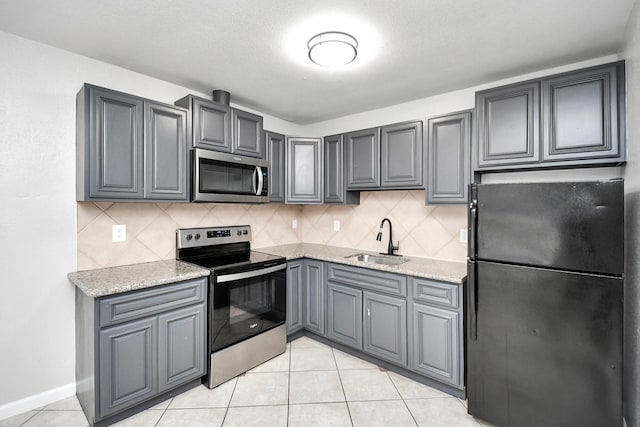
point(129, 148)
point(567, 120)
point(295, 279)
point(449, 143)
point(344, 315)
point(508, 125)
point(334, 180)
point(401, 155)
point(304, 170)
point(165, 152)
point(385, 327)
point(314, 296)
point(110, 143)
point(363, 159)
point(580, 114)
point(247, 138)
point(219, 127)
point(276, 157)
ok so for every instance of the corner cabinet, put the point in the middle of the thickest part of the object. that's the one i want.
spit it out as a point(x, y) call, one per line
point(313, 296)
point(129, 148)
point(572, 119)
point(295, 280)
point(276, 157)
point(219, 127)
point(136, 346)
point(304, 166)
point(334, 177)
point(448, 170)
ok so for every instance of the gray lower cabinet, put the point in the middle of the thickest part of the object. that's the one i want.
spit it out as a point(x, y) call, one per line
point(385, 327)
point(135, 346)
point(565, 120)
point(276, 157)
point(448, 170)
point(313, 296)
point(304, 161)
point(295, 280)
point(335, 190)
point(344, 315)
point(129, 148)
point(436, 345)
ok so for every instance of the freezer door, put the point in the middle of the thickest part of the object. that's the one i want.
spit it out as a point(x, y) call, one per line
point(548, 350)
point(574, 226)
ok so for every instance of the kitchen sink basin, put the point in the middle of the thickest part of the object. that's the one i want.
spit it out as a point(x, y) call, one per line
point(377, 259)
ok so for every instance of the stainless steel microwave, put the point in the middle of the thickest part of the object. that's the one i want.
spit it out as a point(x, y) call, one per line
point(224, 177)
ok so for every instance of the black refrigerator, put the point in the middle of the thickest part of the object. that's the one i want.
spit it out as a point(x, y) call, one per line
point(544, 303)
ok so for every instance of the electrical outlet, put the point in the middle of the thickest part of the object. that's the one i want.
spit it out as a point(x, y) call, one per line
point(119, 233)
point(463, 235)
point(294, 223)
point(336, 225)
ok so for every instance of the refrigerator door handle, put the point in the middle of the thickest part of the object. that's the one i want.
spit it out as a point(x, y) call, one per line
point(473, 214)
point(473, 302)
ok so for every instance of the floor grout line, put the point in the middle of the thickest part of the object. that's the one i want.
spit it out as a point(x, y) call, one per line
point(333, 353)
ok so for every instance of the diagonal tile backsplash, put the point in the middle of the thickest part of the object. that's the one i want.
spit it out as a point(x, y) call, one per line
point(425, 231)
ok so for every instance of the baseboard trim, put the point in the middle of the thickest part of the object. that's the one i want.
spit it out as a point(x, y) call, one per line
point(36, 401)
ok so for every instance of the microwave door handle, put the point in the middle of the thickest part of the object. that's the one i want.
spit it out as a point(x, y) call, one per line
point(254, 181)
point(260, 180)
point(249, 274)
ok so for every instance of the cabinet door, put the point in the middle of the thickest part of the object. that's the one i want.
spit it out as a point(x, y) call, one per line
point(435, 343)
point(333, 169)
point(385, 327)
point(181, 346)
point(115, 152)
point(275, 156)
point(401, 155)
point(294, 296)
point(580, 115)
point(165, 145)
point(314, 296)
point(247, 134)
point(344, 315)
point(128, 365)
point(508, 125)
point(363, 159)
point(211, 125)
point(448, 158)
point(304, 170)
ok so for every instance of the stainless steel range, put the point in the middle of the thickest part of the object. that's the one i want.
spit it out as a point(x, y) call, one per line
point(247, 298)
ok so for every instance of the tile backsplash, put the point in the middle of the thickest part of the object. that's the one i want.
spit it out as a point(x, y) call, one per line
point(426, 231)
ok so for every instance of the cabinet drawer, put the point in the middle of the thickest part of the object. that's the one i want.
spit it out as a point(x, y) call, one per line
point(368, 279)
point(144, 303)
point(445, 294)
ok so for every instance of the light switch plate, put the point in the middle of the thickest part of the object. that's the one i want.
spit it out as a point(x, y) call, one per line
point(463, 235)
point(336, 225)
point(119, 233)
point(294, 223)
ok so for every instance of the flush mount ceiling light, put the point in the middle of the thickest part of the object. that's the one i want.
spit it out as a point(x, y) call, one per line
point(332, 49)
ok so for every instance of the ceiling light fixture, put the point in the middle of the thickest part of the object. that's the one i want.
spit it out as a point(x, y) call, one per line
point(332, 49)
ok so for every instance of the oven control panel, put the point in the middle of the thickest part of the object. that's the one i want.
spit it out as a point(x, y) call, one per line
point(208, 236)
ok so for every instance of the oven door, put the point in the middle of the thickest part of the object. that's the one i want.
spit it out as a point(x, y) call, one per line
point(246, 302)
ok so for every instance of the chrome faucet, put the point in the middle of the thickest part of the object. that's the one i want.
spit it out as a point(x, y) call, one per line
point(391, 248)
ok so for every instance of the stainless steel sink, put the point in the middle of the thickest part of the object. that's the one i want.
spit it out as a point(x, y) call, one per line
point(377, 259)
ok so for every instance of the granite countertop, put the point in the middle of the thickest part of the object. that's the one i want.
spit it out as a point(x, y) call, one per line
point(429, 268)
point(114, 280)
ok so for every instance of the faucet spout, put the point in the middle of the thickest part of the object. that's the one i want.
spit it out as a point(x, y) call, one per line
point(391, 248)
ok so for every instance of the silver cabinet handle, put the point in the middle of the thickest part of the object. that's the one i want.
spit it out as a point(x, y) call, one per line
point(248, 274)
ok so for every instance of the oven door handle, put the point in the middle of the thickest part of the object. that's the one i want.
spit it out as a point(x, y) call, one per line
point(248, 274)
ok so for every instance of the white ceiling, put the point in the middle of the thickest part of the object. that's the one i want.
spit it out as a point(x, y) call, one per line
point(256, 49)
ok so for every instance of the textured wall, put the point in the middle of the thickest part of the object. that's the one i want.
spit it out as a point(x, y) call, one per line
point(428, 231)
point(632, 224)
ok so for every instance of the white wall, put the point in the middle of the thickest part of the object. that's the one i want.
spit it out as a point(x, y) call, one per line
point(38, 85)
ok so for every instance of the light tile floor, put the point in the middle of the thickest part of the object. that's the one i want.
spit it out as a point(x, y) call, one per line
point(309, 385)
